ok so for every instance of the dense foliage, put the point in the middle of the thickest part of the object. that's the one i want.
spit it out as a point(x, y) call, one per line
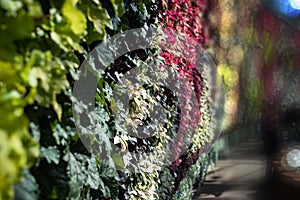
point(41, 47)
point(39, 43)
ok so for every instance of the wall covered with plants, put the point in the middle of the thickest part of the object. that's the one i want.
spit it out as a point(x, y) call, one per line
point(42, 45)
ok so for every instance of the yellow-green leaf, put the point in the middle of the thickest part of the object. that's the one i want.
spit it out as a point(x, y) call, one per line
point(76, 18)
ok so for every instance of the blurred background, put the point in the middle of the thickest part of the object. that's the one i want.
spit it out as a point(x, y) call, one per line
point(256, 47)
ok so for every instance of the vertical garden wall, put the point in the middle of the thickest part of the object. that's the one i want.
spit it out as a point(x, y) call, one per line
point(42, 45)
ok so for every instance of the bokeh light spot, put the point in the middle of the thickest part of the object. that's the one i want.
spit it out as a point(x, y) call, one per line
point(295, 4)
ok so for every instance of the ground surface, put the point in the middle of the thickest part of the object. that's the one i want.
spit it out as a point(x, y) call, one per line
point(238, 175)
point(241, 175)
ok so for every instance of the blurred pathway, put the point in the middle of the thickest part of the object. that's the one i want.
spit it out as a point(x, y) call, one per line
point(238, 175)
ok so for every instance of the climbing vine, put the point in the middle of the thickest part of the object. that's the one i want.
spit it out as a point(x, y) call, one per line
point(42, 44)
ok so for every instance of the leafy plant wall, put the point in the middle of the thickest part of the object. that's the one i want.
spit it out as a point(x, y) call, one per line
point(42, 44)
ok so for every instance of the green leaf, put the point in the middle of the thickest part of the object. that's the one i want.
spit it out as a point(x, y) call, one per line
point(58, 40)
point(35, 131)
point(34, 8)
point(60, 135)
point(76, 18)
point(27, 189)
point(15, 28)
point(51, 154)
point(100, 18)
point(35, 74)
point(118, 159)
point(93, 34)
point(93, 175)
point(57, 107)
point(118, 7)
point(11, 6)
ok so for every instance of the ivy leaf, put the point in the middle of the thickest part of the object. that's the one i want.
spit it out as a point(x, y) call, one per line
point(76, 18)
point(35, 131)
point(51, 154)
point(57, 107)
point(118, 7)
point(143, 8)
point(58, 40)
point(9, 32)
point(93, 34)
point(93, 176)
point(118, 159)
point(35, 74)
point(11, 6)
point(61, 134)
point(27, 189)
point(100, 18)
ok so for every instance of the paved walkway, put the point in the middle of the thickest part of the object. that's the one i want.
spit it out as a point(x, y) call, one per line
point(238, 175)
